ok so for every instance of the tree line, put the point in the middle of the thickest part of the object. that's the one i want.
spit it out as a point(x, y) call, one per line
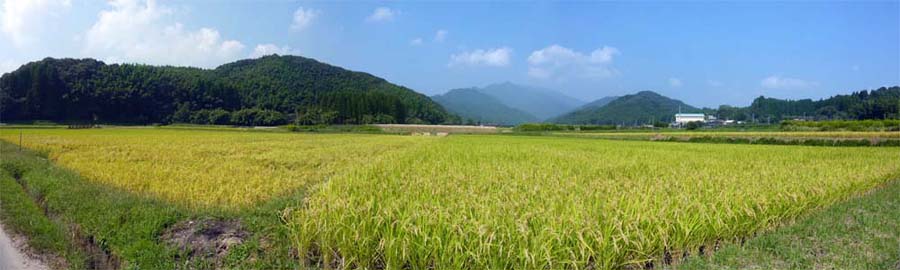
point(272, 90)
point(881, 103)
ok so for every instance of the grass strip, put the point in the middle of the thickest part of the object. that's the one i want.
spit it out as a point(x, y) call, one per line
point(861, 233)
point(21, 215)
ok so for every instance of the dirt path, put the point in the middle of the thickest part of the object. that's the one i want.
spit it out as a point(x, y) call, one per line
point(13, 258)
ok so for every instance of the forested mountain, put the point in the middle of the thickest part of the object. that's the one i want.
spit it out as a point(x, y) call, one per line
point(645, 107)
point(598, 103)
point(472, 104)
point(876, 104)
point(542, 103)
point(269, 90)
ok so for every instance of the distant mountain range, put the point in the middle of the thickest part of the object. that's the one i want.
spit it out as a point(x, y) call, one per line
point(517, 103)
point(642, 107)
point(473, 105)
point(540, 102)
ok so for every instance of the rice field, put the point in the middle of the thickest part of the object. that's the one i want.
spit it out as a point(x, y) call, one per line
point(548, 203)
point(230, 169)
point(477, 201)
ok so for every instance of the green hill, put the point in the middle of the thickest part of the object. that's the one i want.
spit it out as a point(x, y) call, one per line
point(542, 103)
point(269, 90)
point(598, 103)
point(641, 108)
point(470, 103)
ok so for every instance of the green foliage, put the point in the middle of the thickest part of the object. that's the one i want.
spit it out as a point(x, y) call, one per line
point(660, 124)
point(89, 90)
point(283, 83)
point(257, 117)
point(528, 127)
point(334, 128)
point(693, 125)
point(542, 127)
point(882, 103)
point(482, 108)
point(315, 116)
point(219, 117)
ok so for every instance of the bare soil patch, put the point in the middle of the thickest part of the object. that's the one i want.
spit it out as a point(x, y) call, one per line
point(205, 238)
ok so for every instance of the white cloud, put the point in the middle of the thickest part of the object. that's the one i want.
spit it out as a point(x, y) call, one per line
point(24, 21)
point(498, 57)
point(303, 18)
point(141, 31)
point(558, 61)
point(784, 83)
point(269, 49)
point(382, 14)
point(416, 42)
point(440, 35)
point(675, 82)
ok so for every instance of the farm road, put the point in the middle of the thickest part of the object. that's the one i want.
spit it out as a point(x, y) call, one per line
point(13, 258)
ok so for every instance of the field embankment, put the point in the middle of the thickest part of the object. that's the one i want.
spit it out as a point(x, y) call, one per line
point(435, 129)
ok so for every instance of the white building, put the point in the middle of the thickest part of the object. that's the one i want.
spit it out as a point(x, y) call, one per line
point(684, 118)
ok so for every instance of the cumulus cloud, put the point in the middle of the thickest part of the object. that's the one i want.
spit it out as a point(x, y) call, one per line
point(25, 21)
point(269, 49)
point(303, 18)
point(498, 57)
point(440, 35)
point(557, 61)
point(142, 31)
point(785, 83)
point(416, 42)
point(382, 14)
point(675, 82)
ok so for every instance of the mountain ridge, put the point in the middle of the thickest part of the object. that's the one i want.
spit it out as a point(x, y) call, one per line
point(539, 102)
point(472, 104)
point(86, 90)
point(641, 107)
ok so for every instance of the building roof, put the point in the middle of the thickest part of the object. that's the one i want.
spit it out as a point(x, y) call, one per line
point(690, 114)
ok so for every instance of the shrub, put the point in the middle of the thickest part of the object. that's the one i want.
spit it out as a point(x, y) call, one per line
point(693, 125)
point(258, 117)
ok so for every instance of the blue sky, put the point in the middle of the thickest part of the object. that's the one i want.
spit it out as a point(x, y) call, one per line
point(704, 53)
